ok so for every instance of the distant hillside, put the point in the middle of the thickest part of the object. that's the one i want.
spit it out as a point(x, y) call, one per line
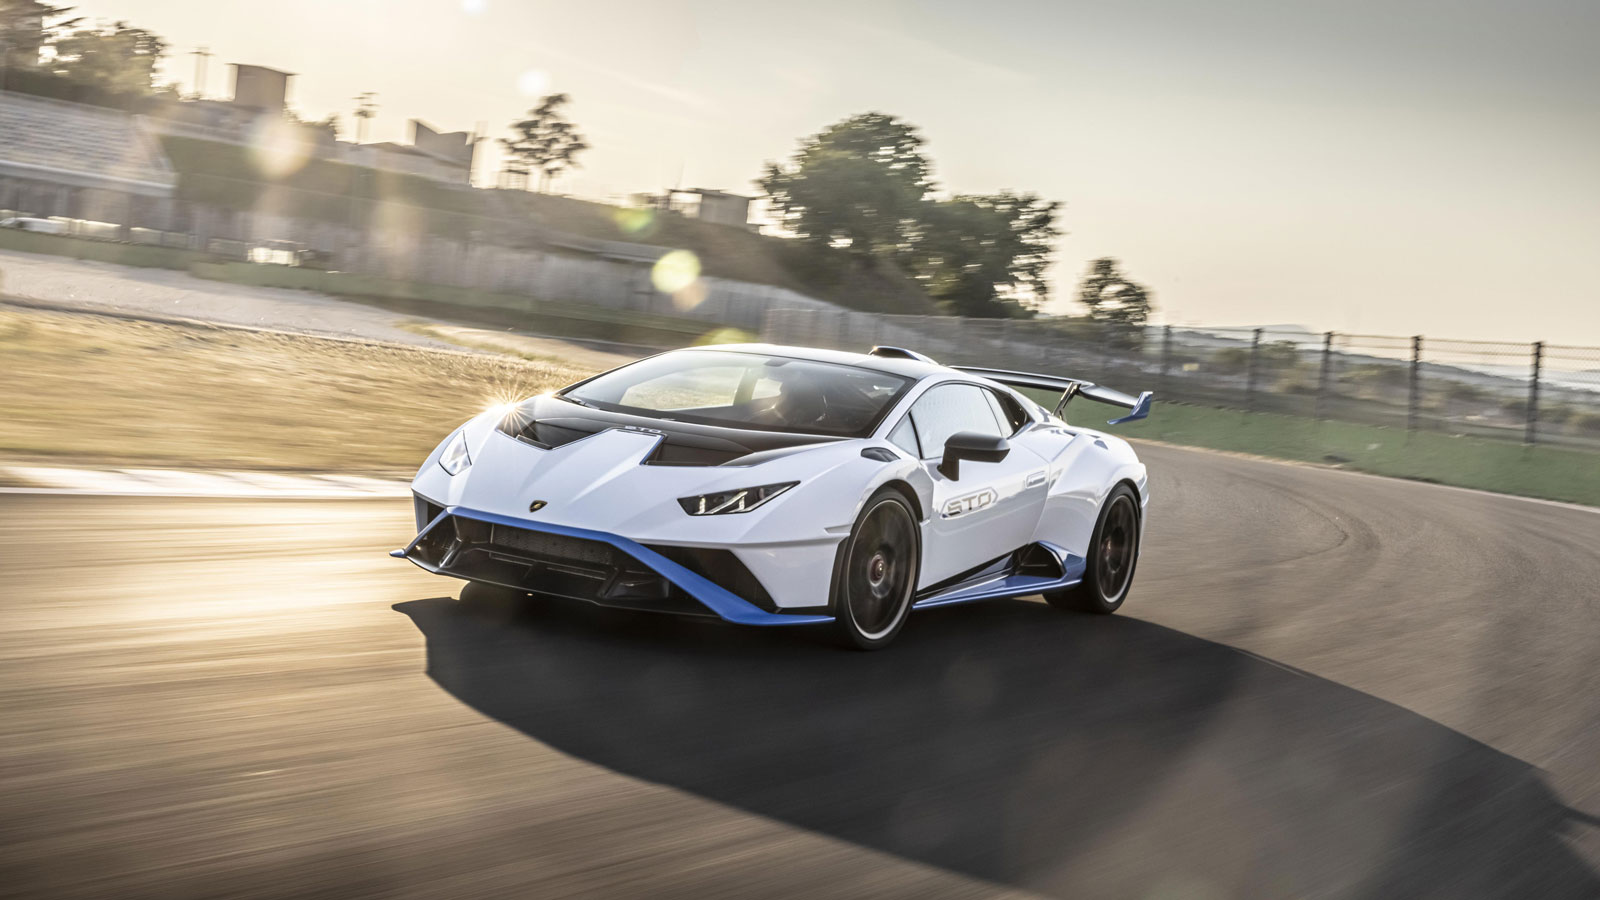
point(230, 176)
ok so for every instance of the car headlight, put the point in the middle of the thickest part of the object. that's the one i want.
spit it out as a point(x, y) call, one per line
point(454, 459)
point(735, 501)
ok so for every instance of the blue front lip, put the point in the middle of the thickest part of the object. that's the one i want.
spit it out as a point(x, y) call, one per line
point(714, 597)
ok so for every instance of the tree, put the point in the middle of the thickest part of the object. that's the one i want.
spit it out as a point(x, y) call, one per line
point(1114, 302)
point(327, 126)
point(864, 184)
point(118, 57)
point(858, 184)
point(986, 255)
point(545, 142)
point(25, 29)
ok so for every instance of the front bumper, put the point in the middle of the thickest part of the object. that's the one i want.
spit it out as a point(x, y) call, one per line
point(597, 566)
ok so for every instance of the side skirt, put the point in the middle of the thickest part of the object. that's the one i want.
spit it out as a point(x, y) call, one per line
point(1010, 581)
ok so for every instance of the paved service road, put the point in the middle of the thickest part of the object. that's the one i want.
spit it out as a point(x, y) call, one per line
point(131, 290)
point(1324, 685)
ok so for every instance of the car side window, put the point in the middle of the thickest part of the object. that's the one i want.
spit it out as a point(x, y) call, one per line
point(904, 436)
point(1007, 410)
point(950, 408)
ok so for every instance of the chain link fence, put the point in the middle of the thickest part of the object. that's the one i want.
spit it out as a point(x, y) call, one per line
point(1533, 393)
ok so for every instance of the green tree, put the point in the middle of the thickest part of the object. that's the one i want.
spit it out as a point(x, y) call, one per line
point(986, 255)
point(116, 57)
point(545, 142)
point(327, 125)
point(1120, 306)
point(25, 28)
point(857, 184)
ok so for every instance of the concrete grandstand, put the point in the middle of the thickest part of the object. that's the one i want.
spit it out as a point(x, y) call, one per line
point(81, 162)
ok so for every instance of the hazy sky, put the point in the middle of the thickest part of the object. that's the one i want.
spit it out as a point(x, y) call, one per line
point(1385, 166)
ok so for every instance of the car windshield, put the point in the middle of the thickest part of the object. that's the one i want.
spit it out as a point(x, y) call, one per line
point(747, 390)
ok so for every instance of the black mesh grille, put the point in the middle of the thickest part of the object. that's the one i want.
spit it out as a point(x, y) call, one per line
point(547, 563)
point(556, 546)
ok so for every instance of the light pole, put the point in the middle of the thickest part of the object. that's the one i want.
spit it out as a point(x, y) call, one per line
point(366, 108)
point(200, 54)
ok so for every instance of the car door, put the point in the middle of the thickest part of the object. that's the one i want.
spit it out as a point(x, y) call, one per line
point(990, 509)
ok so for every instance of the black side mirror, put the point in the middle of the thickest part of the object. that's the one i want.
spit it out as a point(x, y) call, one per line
point(973, 446)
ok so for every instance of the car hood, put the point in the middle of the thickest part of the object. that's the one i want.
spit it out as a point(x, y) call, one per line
point(549, 422)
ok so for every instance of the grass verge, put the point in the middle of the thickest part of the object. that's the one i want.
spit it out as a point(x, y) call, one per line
point(98, 251)
point(92, 390)
point(1550, 473)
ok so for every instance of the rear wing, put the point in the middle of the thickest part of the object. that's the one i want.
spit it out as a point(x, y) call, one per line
point(1139, 407)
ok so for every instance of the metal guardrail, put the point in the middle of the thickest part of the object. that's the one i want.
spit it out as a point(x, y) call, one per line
point(1534, 393)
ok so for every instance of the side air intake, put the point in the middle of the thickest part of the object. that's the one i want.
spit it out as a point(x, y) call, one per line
point(900, 353)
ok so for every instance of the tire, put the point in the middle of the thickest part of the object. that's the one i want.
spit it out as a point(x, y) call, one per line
point(1113, 555)
point(877, 573)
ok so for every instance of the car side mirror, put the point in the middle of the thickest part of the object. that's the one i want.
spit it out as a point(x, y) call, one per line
point(971, 445)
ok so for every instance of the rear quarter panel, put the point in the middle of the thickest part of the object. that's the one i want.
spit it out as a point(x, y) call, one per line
point(1086, 465)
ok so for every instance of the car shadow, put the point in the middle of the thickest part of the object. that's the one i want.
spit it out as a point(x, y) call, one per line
point(1069, 755)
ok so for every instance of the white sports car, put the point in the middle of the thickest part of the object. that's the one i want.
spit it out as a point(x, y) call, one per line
point(790, 486)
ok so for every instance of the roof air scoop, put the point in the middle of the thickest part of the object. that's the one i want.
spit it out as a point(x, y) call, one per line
point(900, 353)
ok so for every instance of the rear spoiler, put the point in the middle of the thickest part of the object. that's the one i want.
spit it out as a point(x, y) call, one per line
point(1139, 407)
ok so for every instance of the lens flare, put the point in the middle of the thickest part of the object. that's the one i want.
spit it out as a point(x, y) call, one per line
point(502, 401)
point(279, 148)
point(635, 222)
point(675, 271)
point(474, 7)
point(533, 83)
point(690, 296)
point(725, 336)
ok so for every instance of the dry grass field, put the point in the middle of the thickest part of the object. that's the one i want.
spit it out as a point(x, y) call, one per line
point(95, 390)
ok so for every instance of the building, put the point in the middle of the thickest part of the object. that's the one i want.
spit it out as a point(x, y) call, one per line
point(722, 208)
point(445, 157)
point(259, 106)
point(716, 207)
point(21, 34)
point(258, 87)
point(81, 162)
point(453, 148)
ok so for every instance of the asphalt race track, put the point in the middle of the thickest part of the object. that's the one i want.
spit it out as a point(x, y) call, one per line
point(1324, 685)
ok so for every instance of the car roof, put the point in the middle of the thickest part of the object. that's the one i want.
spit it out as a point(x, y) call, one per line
point(906, 368)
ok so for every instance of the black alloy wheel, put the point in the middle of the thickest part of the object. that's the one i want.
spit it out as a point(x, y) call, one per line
point(1113, 554)
point(878, 573)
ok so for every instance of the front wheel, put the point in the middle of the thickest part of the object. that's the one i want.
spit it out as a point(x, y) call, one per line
point(1113, 553)
point(877, 574)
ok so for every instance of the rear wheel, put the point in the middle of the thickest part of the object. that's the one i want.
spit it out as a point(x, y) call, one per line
point(877, 574)
point(1113, 554)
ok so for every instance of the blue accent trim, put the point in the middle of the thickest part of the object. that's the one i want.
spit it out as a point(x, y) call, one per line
point(994, 586)
point(1141, 409)
point(713, 596)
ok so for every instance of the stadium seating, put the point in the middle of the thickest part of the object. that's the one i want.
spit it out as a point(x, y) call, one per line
point(80, 145)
